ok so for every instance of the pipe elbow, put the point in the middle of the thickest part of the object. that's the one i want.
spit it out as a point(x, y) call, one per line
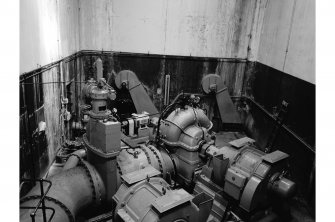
point(71, 191)
point(178, 121)
point(203, 119)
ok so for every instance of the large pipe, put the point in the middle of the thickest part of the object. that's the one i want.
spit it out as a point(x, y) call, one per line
point(71, 191)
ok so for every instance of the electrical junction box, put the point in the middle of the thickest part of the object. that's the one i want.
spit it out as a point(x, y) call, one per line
point(104, 136)
point(234, 182)
point(138, 125)
point(141, 120)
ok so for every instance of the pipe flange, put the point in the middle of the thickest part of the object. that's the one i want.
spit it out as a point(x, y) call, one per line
point(99, 93)
point(120, 171)
point(146, 154)
point(157, 157)
point(98, 200)
point(101, 115)
point(98, 185)
point(87, 171)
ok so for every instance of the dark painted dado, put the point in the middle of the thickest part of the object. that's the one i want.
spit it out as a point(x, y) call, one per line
point(269, 87)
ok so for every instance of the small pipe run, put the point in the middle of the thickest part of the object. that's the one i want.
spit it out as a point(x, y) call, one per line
point(72, 190)
point(74, 159)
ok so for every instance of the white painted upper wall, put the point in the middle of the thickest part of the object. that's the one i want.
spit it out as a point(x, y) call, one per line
point(287, 40)
point(209, 28)
point(48, 32)
point(300, 59)
point(127, 26)
point(212, 28)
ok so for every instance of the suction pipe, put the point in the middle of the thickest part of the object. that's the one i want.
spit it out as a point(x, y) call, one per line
point(72, 190)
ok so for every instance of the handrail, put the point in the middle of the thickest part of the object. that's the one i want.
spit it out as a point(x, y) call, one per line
point(41, 202)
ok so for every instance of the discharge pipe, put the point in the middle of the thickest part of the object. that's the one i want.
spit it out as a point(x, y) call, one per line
point(72, 190)
point(179, 120)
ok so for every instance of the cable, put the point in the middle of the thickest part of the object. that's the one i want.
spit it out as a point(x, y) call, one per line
point(42, 83)
point(160, 118)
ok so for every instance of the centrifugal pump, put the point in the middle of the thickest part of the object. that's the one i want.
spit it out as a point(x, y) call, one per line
point(239, 178)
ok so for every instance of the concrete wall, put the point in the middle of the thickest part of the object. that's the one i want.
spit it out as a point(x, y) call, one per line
point(207, 28)
point(287, 40)
point(48, 32)
point(52, 112)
